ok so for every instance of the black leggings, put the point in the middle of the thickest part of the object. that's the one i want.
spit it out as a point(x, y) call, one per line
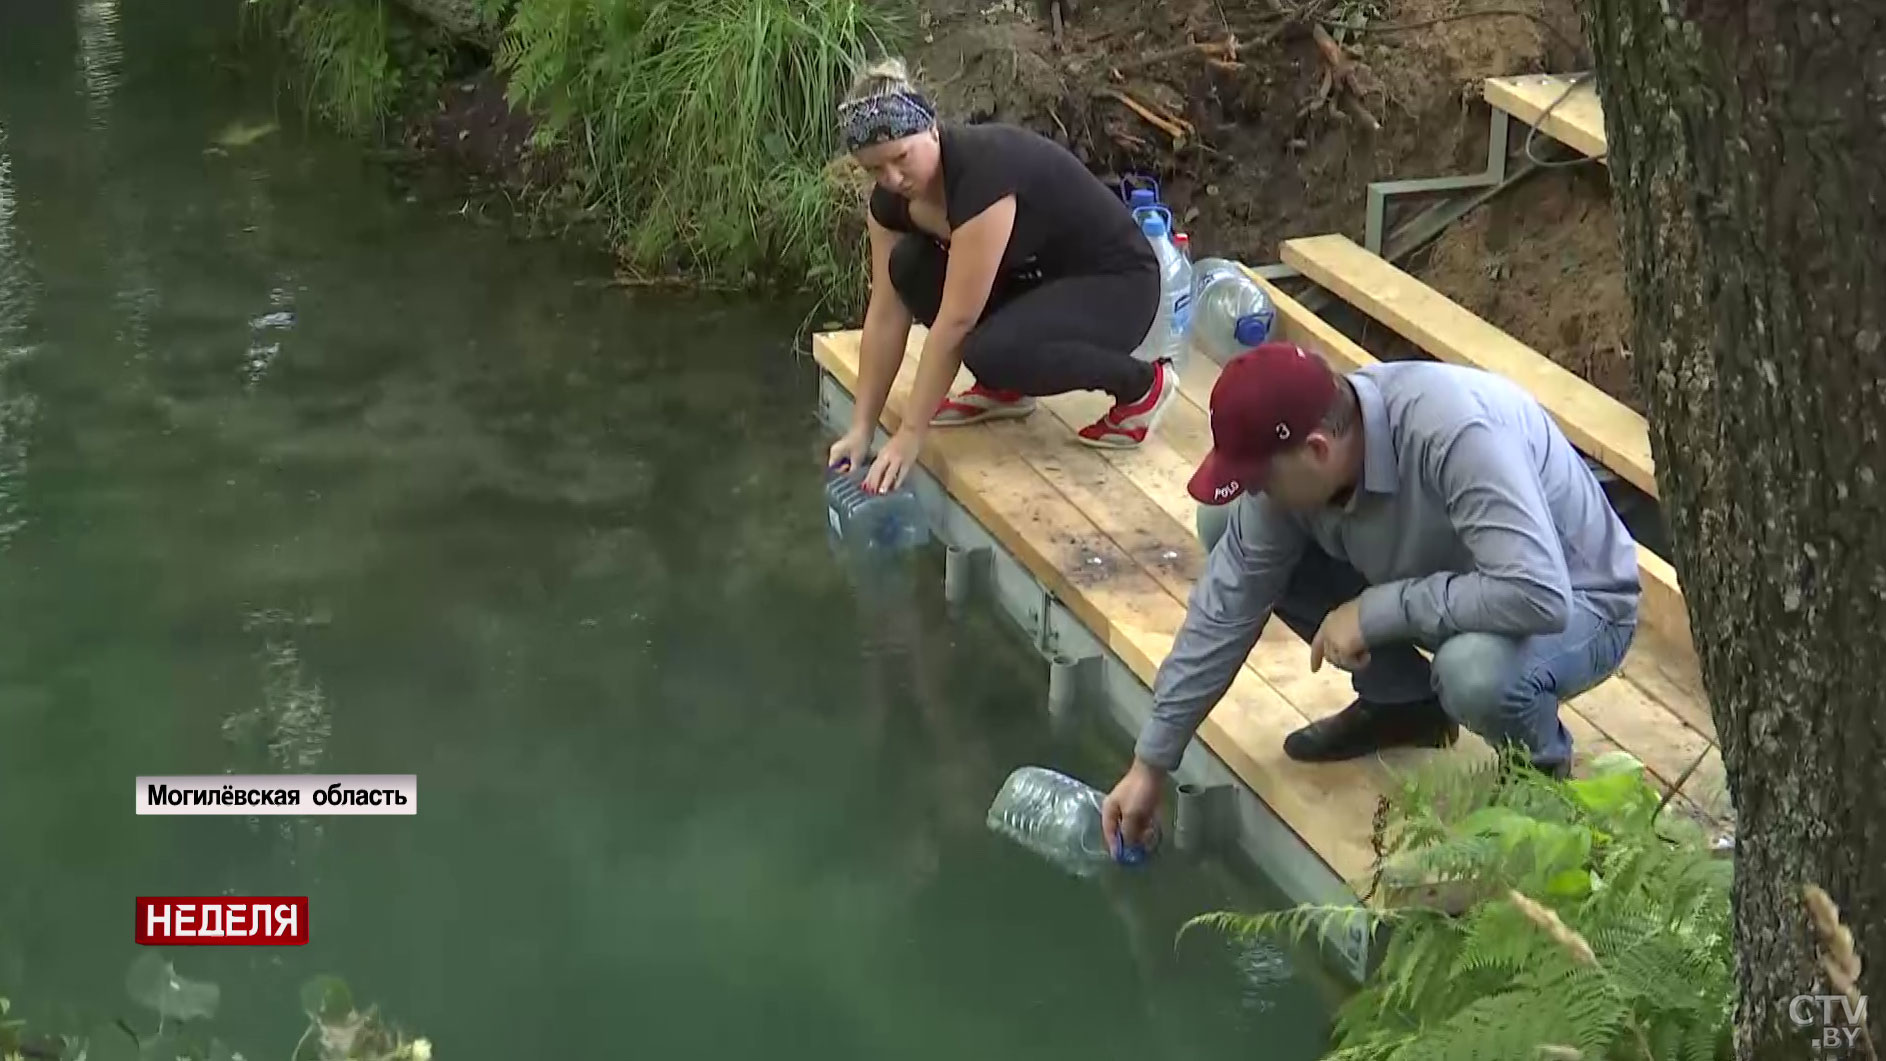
point(1042, 337)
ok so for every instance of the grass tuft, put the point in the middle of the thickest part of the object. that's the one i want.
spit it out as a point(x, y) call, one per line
point(703, 132)
point(700, 134)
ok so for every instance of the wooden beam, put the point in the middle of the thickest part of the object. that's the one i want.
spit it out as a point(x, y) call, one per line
point(1595, 422)
point(1577, 121)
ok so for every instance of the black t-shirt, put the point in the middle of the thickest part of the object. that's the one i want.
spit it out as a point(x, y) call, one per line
point(1067, 222)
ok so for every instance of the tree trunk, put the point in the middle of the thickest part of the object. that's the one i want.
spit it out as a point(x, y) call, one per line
point(1748, 166)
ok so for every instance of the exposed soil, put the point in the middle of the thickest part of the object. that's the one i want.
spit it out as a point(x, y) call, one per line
point(1274, 153)
point(1260, 169)
point(474, 128)
point(1542, 262)
point(1267, 148)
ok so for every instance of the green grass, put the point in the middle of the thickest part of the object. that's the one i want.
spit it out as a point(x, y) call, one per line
point(702, 132)
point(343, 49)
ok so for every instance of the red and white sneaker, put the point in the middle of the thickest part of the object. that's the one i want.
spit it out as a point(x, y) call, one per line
point(1128, 423)
point(980, 403)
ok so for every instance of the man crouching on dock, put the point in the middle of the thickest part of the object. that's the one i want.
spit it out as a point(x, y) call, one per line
point(1404, 504)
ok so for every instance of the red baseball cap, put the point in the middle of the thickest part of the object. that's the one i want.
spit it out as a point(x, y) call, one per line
point(1265, 401)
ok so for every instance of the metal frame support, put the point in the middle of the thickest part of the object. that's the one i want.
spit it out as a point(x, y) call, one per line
point(965, 572)
point(1200, 817)
point(1375, 226)
point(1069, 684)
point(1376, 237)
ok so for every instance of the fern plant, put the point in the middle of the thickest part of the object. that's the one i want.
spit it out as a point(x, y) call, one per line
point(1586, 925)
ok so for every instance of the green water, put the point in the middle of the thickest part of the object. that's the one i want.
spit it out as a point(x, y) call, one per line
point(304, 470)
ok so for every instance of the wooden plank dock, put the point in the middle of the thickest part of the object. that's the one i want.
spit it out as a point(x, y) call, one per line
point(1112, 534)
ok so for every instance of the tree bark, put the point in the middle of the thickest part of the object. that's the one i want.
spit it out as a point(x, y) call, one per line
point(1747, 149)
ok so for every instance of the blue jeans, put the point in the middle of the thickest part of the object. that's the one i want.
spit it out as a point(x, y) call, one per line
point(1506, 689)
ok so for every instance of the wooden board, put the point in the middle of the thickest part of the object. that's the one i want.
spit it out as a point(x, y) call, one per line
point(1329, 805)
point(1577, 120)
point(1595, 422)
point(1112, 533)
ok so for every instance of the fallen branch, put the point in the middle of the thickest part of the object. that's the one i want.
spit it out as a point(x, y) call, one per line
point(1221, 49)
point(1177, 128)
point(1344, 77)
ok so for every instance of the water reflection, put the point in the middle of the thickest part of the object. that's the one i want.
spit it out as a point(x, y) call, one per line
point(101, 57)
point(13, 292)
point(287, 731)
point(16, 407)
point(265, 335)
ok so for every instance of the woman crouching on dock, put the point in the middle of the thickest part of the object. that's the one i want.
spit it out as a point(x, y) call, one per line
point(1021, 264)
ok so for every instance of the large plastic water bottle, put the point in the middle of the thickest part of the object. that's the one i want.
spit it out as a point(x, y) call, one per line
point(865, 522)
point(1169, 335)
point(1058, 818)
point(1230, 312)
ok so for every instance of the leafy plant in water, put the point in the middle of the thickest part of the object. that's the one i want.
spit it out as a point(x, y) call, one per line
point(1593, 927)
point(339, 1032)
point(336, 1030)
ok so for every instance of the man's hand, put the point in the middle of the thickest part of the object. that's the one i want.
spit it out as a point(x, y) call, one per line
point(1132, 808)
point(1339, 639)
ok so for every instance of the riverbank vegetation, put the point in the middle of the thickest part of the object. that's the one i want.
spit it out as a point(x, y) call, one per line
point(1529, 918)
point(697, 139)
point(180, 1020)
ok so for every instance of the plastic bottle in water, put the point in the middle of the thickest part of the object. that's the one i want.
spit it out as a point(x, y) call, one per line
point(1168, 336)
point(1230, 312)
point(1058, 818)
point(890, 522)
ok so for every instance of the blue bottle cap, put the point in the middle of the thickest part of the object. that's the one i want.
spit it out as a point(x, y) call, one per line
point(1139, 197)
point(1152, 225)
point(1252, 329)
point(1130, 855)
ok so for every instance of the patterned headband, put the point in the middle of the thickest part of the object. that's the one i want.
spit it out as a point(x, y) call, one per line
point(884, 117)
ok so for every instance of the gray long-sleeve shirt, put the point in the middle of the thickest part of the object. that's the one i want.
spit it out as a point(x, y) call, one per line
point(1473, 513)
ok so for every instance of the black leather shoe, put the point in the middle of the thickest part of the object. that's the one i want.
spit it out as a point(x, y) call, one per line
point(1365, 726)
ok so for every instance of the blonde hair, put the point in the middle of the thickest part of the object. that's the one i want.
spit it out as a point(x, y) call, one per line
point(887, 75)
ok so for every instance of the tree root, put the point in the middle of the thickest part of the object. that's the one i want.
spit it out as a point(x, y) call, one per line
point(1175, 127)
point(1351, 81)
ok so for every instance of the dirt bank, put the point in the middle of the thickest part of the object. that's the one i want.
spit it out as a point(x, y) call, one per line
point(1266, 150)
point(1231, 106)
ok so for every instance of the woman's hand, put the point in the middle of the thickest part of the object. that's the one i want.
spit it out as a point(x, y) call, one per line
point(849, 452)
point(894, 461)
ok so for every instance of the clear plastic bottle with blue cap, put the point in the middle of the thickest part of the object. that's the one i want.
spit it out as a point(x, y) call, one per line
point(861, 521)
point(1059, 818)
point(1168, 337)
point(1231, 312)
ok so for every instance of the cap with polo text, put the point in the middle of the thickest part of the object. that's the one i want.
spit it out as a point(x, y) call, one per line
point(1265, 401)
